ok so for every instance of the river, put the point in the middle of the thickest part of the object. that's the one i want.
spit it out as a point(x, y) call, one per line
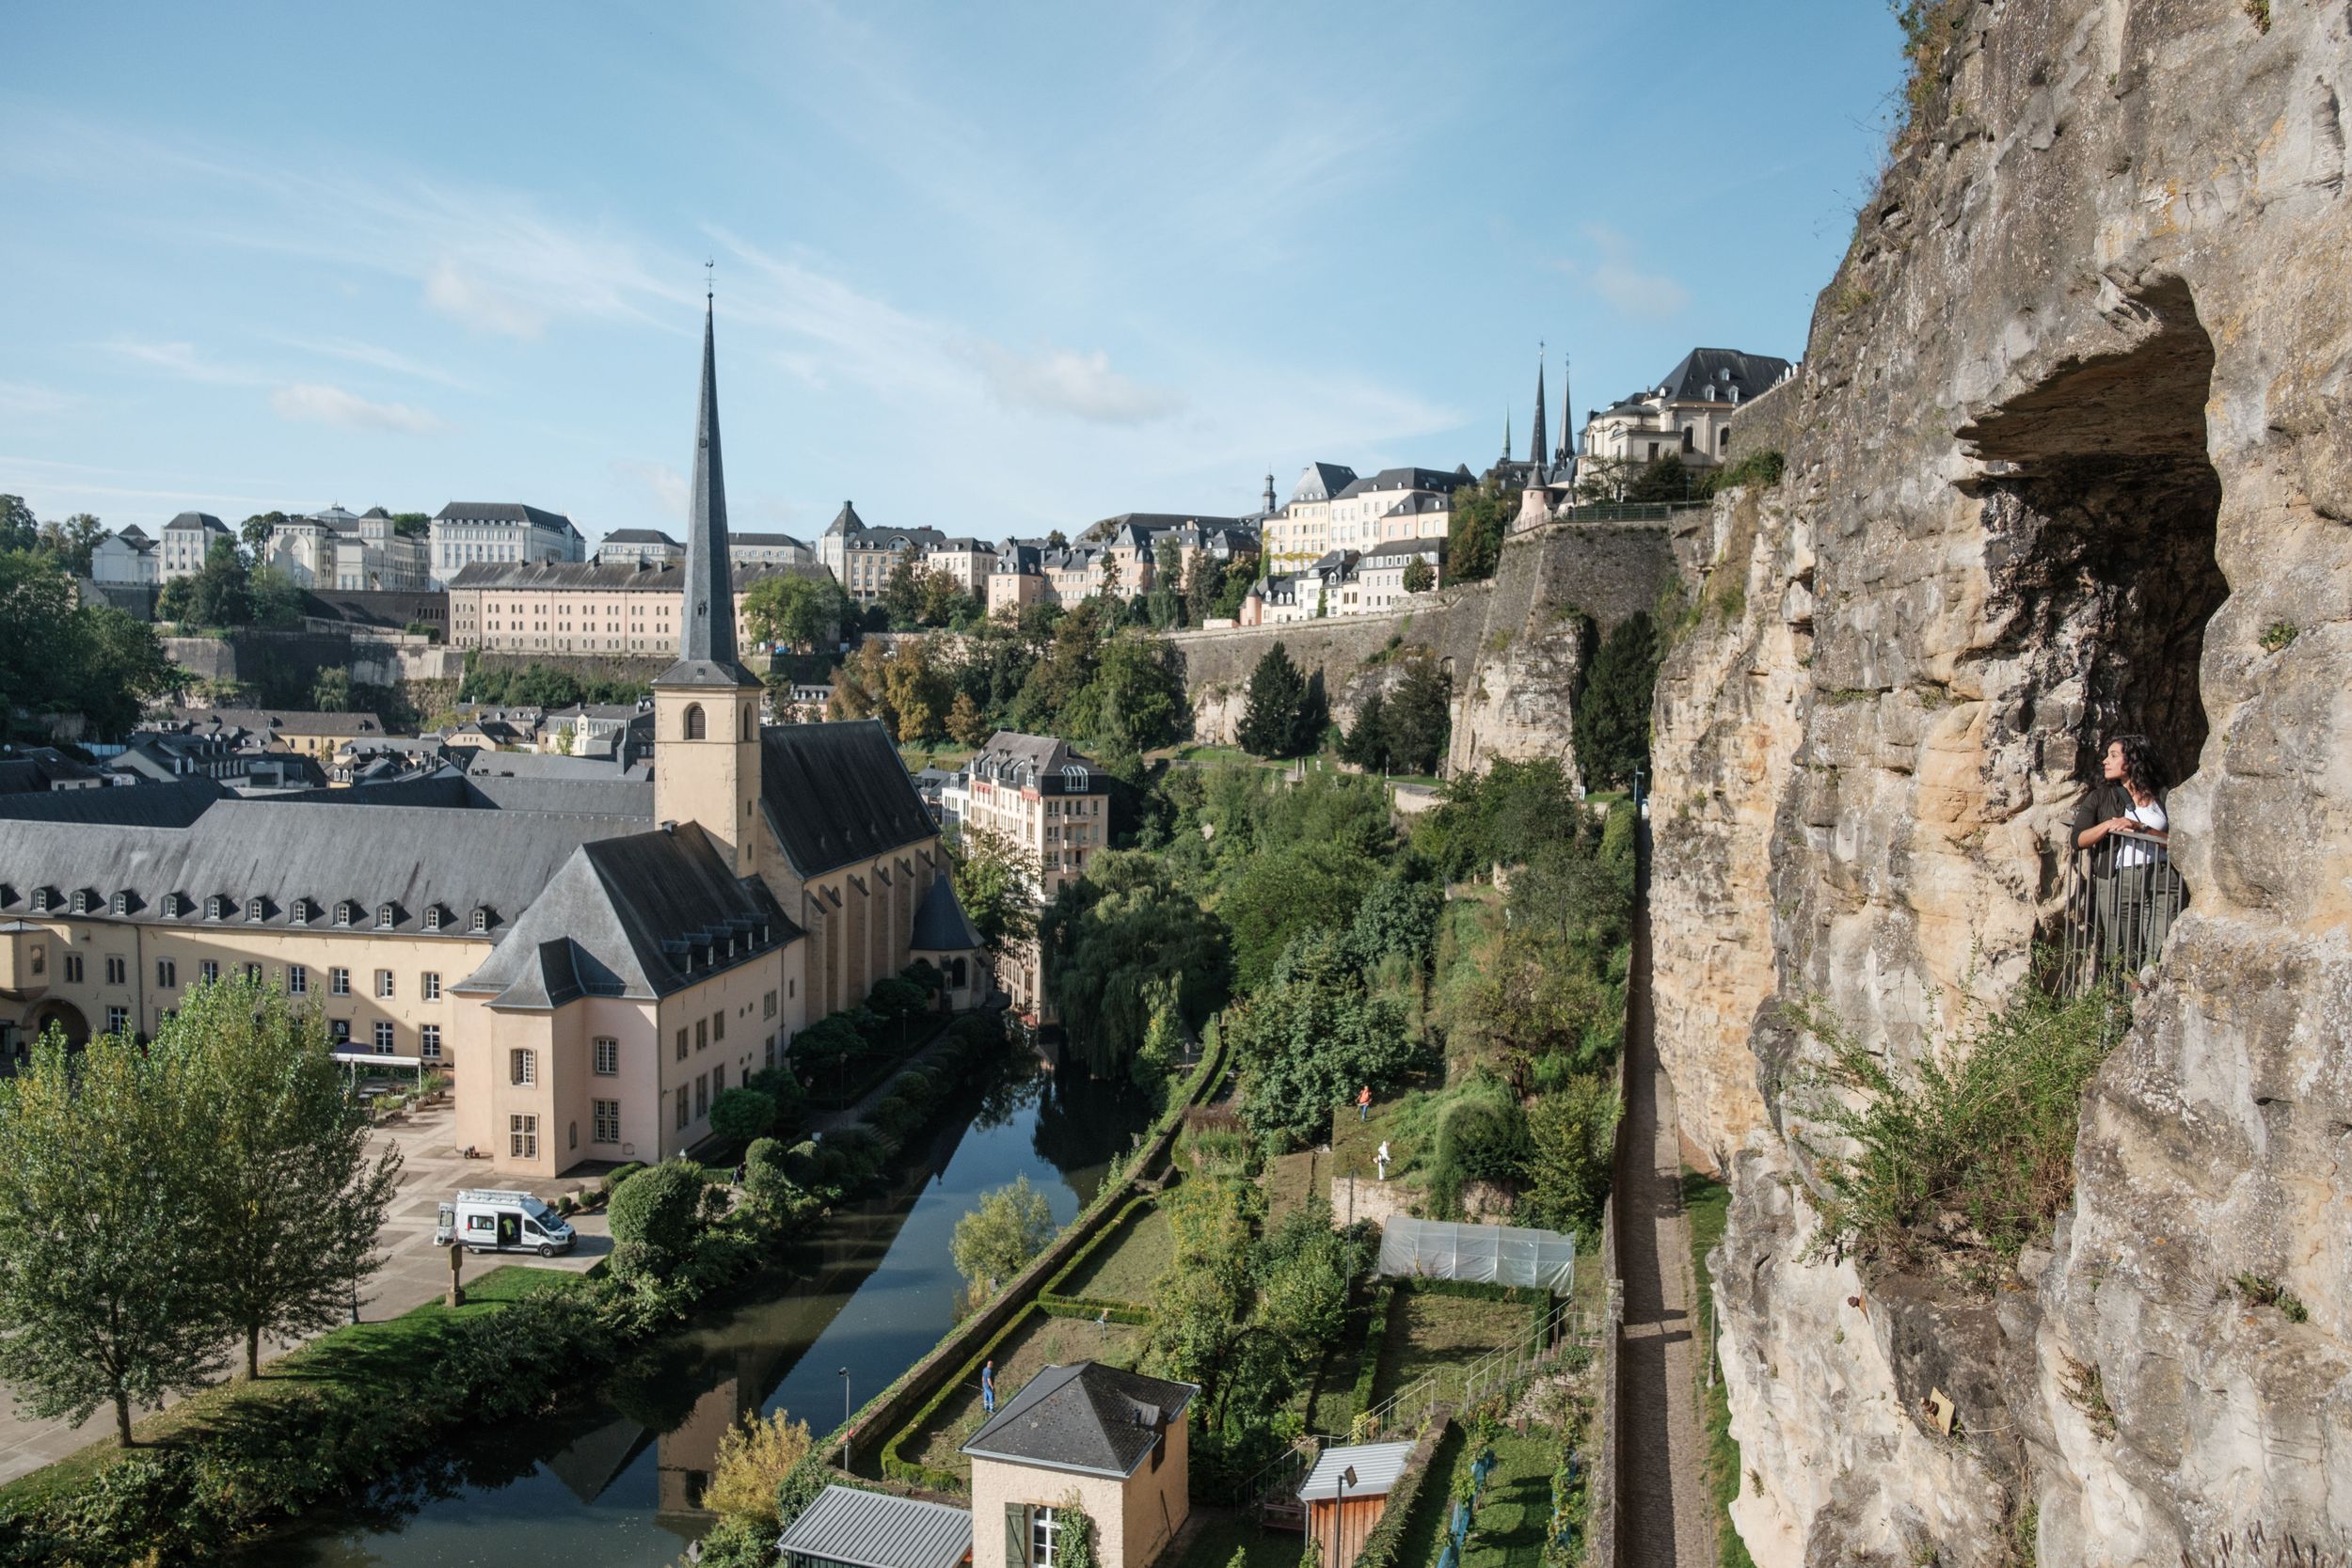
point(873, 1288)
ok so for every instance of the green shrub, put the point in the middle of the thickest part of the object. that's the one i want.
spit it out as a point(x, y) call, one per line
point(658, 1221)
point(739, 1115)
point(1969, 1162)
point(612, 1182)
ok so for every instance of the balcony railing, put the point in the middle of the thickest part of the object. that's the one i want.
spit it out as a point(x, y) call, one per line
point(2122, 895)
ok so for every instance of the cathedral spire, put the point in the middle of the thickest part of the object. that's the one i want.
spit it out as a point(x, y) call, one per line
point(1506, 433)
point(1535, 431)
point(1564, 456)
point(706, 651)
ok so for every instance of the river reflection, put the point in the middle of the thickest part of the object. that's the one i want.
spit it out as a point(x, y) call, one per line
point(616, 1486)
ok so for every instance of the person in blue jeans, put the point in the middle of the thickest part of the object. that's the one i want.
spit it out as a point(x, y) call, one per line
point(987, 1385)
point(1363, 1103)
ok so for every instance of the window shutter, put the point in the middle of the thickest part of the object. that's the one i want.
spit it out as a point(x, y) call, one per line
point(1016, 1534)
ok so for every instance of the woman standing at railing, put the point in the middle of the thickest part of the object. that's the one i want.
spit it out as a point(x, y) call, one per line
point(2122, 823)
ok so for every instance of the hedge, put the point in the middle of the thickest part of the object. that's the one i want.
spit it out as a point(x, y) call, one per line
point(1380, 1547)
point(1368, 1365)
point(900, 1468)
point(1095, 1310)
point(1052, 1298)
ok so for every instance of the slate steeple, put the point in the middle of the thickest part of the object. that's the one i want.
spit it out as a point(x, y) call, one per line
point(1535, 431)
point(1564, 456)
point(706, 653)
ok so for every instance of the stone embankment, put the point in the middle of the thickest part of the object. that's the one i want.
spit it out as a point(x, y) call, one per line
point(2072, 454)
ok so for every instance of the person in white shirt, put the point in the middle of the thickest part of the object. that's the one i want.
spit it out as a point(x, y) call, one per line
point(2135, 891)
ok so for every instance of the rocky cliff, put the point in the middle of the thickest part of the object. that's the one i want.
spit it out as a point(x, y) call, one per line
point(2072, 458)
point(1514, 645)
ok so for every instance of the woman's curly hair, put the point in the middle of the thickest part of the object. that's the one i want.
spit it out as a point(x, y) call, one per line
point(2142, 770)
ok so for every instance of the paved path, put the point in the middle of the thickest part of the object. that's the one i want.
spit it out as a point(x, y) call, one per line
point(416, 1271)
point(1668, 1517)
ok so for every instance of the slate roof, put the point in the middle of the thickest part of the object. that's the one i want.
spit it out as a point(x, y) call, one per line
point(42, 768)
point(641, 536)
point(639, 915)
point(1377, 1466)
point(835, 794)
point(892, 540)
point(1327, 477)
point(1397, 551)
point(705, 649)
point(1042, 759)
point(1089, 1418)
point(204, 521)
point(172, 804)
point(767, 541)
point(271, 720)
point(412, 857)
point(874, 1529)
point(845, 522)
point(1751, 375)
point(940, 924)
point(505, 511)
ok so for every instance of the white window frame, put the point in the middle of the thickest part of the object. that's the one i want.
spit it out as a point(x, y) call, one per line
point(522, 1067)
point(606, 1053)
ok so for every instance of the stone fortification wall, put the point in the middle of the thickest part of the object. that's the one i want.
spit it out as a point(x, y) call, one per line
point(1512, 644)
point(2071, 454)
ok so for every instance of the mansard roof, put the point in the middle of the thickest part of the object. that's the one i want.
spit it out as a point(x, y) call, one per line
point(505, 511)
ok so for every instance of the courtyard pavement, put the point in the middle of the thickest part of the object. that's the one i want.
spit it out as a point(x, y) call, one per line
point(415, 1271)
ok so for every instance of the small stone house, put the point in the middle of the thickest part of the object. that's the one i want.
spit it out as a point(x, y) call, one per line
point(1110, 1442)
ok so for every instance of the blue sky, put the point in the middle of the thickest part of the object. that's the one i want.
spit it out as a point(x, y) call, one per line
point(992, 269)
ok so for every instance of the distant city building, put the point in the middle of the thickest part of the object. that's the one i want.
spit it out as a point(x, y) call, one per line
point(344, 551)
point(187, 539)
point(637, 546)
point(127, 557)
point(861, 557)
point(1052, 803)
point(769, 549)
point(1303, 532)
point(1687, 414)
point(498, 533)
point(577, 607)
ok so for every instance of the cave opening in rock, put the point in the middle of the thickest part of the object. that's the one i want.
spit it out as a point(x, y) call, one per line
point(2100, 507)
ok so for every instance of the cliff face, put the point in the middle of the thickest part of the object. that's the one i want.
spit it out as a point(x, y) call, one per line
point(2072, 458)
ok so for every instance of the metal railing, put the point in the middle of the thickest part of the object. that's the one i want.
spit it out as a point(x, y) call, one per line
point(2122, 895)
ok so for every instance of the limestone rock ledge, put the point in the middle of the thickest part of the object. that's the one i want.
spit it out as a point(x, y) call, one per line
point(2072, 457)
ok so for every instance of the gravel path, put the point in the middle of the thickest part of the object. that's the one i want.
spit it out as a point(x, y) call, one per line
point(1668, 1517)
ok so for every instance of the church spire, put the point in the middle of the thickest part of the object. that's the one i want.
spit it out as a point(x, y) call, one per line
point(706, 653)
point(1506, 433)
point(1535, 432)
point(1564, 457)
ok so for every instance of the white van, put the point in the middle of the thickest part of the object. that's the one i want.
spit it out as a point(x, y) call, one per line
point(483, 1221)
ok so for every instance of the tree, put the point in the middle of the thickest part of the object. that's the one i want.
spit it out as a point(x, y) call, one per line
point(1281, 895)
point(1310, 1037)
point(1166, 599)
point(1056, 540)
point(902, 593)
point(219, 595)
point(656, 1221)
point(752, 1459)
point(940, 600)
point(1135, 699)
point(103, 1272)
point(967, 725)
point(739, 1115)
point(291, 1202)
point(19, 530)
point(1110, 588)
point(800, 612)
point(331, 691)
point(918, 692)
point(1611, 723)
point(1109, 937)
point(1398, 918)
point(1419, 722)
point(1482, 517)
point(57, 656)
point(998, 1239)
point(1664, 478)
point(1204, 575)
point(996, 882)
point(255, 530)
point(1420, 577)
point(1571, 1132)
point(72, 539)
point(412, 525)
point(1366, 744)
point(276, 599)
point(1278, 701)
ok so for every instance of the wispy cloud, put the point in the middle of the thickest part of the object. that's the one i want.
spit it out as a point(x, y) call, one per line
point(1617, 278)
point(1061, 381)
point(323, 404)
point(183, 361)
point(663, 484)
point(25, 400)
point(466, 298)
point(376, 357)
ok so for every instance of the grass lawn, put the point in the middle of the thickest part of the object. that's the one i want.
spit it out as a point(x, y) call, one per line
point(1289, 1179)
point(1424, 1527)
point(351, 1355)
point(1045, 1341)
point(1440, 1337)
point(1707, 1203)
point(1225, 1530)
point(1512, 1512)
point(944, 755)
point(1127, 1267)
point(1355, 1143)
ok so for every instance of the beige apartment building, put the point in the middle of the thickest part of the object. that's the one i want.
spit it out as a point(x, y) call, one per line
point(1036, 793)
point(582, 607)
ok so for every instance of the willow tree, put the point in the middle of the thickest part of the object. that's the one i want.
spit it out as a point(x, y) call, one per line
point(103, 1287)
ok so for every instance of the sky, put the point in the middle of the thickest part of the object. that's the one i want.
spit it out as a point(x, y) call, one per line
point(990, 269)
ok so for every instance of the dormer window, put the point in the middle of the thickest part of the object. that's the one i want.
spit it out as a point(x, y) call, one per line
point(253, 909)
point(123, 903)
point(481, 921)
point(81, 901)
point(433, 917)
point(343, 912)
point(40, 901)
point(171, 906)
point(383, 917)
point(212, 907)
point(301, 915)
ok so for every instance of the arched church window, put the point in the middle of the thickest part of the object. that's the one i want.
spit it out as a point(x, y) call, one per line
point(694, 722)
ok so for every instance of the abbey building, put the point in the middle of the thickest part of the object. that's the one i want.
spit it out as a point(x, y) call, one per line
point(595, 963)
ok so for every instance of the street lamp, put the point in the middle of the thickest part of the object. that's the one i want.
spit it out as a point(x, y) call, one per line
point(1339, 1515)
point(845, 1418)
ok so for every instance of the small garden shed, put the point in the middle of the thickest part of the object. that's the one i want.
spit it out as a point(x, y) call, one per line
point(1346, 1493)
point(845, 1527)
point(1483, 1254)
